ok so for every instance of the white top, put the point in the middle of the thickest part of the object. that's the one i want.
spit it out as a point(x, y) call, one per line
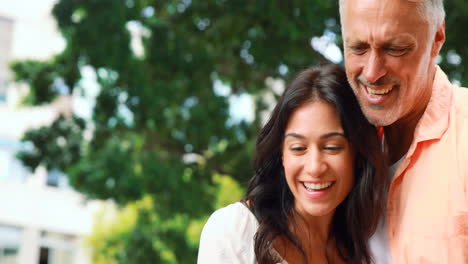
point(378, 243)
point(228, 236)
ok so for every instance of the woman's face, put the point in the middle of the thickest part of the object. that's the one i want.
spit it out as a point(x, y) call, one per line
point(317, 158)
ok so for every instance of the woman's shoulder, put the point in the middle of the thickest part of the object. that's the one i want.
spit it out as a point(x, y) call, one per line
point(228, 236)
point(233, 219)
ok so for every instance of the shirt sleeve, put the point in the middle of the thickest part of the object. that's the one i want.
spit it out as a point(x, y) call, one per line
point(227, 236)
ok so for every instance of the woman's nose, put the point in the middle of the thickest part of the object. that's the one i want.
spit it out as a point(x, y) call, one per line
point(315, 164)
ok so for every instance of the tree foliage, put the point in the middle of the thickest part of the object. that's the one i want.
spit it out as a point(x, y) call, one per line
point(56, 146)
point(161, 126)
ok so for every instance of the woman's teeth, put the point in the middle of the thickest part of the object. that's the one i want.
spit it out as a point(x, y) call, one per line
point(317, 186)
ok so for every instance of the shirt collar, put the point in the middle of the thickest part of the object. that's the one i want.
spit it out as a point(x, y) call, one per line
point(435, 119)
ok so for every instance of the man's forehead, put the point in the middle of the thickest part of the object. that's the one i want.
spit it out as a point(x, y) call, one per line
point(380, 9)
point(381, 2)
point(412, 1)
point(398, 39)
point(382, 22)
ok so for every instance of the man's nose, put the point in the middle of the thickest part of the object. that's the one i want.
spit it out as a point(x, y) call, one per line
point(374, 68)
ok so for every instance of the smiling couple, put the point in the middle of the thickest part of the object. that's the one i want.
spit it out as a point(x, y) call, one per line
point(327, 188)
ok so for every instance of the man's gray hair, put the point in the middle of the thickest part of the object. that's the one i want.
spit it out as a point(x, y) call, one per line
point(433, 10)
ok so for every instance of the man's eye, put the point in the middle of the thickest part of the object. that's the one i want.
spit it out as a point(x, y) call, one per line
point(358, 49)
point(396, 51)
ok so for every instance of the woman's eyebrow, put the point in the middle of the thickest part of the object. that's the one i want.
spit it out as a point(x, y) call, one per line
point(295, 135)
point(327, 135)
point(333, 134)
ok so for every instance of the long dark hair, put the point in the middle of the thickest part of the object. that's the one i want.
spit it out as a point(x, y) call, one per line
point(268, 195)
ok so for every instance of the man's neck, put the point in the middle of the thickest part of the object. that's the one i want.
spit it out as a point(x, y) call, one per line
point(398, 139)
point(400, 135)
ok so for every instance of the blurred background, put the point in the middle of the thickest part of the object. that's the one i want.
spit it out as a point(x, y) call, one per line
point(126, 123)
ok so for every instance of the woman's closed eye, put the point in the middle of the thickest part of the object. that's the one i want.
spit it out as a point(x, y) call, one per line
point(333, 147)
point(297, 148)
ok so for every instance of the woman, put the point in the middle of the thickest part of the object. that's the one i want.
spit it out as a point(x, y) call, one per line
point(318, 187)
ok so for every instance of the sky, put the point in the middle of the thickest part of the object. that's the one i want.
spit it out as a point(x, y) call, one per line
point(35, 33)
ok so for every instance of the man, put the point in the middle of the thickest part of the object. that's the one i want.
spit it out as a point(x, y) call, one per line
point(390, 47)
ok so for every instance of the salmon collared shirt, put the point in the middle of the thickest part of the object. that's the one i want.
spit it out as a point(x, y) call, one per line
point(427, 206)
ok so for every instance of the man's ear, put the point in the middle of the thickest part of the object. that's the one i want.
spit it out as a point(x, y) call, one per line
point(438, 40)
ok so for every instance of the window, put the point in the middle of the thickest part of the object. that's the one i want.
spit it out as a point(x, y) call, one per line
point(44, 255)
point(56, 178)
point(55, 256)
point(53, 178)
point(9, 244)
point(3, 92)
point(11, 169)
point(9, 255)
point(56, 248)
point(4, 164)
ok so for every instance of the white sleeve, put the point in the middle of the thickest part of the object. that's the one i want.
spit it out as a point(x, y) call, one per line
point(227, 236)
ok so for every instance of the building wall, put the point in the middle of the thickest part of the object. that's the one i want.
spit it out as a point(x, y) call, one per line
point(34, 215)
point(6, 29)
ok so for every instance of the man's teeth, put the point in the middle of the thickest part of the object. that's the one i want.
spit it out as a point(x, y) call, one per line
point(317, 186)
point(378, 92)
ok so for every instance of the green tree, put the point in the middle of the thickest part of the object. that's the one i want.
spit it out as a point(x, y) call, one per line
point(161, 126)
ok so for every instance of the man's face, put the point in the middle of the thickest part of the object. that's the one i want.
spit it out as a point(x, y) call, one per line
point(389, 52)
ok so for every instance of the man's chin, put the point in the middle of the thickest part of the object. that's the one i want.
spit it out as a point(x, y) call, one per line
point(377, 119)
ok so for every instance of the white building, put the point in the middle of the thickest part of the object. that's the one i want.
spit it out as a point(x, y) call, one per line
point(42, 220)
